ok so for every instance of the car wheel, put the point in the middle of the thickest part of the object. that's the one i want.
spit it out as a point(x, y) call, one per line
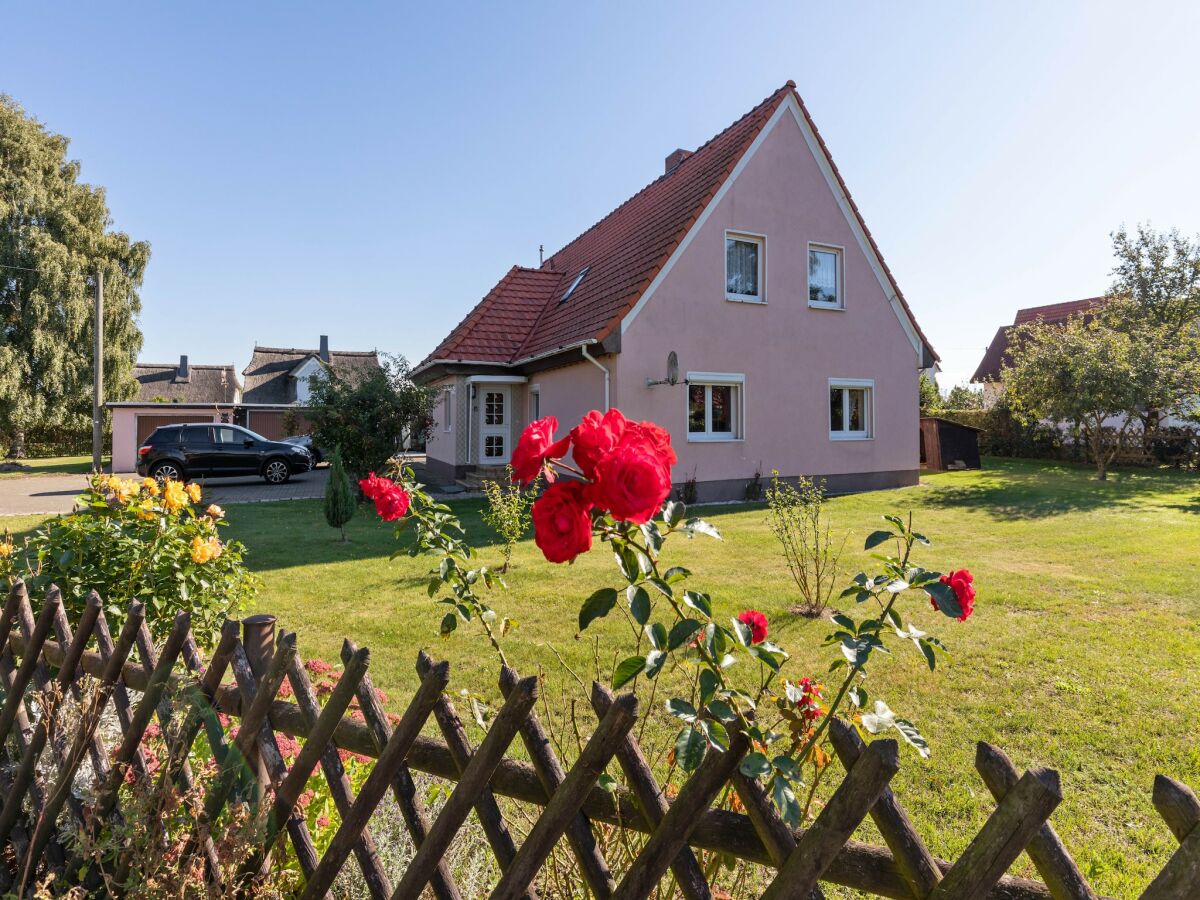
point(167, 471)
point(276, 472)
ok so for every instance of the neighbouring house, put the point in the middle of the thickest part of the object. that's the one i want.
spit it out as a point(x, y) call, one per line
point(748, 266)
point(271, 400)
point(277, 383)
point(168, 394)
point(989, 373)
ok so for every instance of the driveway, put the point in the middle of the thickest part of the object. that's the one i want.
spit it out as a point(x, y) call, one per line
point(29, 495)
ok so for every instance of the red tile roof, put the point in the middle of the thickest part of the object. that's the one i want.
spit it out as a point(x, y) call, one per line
point(522, 316)
point(996, 354)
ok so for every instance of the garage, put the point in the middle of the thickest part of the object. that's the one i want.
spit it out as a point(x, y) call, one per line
point(147, 424)
point(274, 424)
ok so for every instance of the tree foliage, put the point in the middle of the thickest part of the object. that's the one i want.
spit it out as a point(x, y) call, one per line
point(1100, 374)
point(54, 236)
point(369, 416)
point(963, 397)
point(339, 495)
point(931, 397)
point(1158, 274)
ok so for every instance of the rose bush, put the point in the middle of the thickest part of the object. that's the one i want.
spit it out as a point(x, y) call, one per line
point(136, 539)
point(616, 491)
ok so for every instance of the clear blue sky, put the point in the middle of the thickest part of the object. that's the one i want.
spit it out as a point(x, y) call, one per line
point(369, 172)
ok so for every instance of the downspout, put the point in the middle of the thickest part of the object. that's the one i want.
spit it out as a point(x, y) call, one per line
point(595, 362)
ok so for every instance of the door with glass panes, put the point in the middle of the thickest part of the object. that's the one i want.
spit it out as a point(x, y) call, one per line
point(495, 414)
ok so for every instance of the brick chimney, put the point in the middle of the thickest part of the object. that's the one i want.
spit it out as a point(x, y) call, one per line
point(674, 159)
point(184, 374)
point(324, 351)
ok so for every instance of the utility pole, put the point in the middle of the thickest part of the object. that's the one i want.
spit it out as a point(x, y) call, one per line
point(98, 376)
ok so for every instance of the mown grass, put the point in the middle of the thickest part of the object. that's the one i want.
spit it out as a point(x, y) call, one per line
point(1083, 653)
point(54, 465)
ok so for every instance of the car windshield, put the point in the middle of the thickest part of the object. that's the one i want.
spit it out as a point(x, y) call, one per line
point(250, 434)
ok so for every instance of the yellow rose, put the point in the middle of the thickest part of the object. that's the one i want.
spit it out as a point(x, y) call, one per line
point(215, 512)
point(193, 492)
point(151, 486)
point(174, 496)
point(7, 549)
point(204, 550)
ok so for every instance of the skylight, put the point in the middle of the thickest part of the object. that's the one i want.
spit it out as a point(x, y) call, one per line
point(574, 284)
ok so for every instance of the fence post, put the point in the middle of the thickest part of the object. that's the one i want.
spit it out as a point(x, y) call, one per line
point(258, 640)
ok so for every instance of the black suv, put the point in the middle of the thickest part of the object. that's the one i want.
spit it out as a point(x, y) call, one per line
point(185, 451)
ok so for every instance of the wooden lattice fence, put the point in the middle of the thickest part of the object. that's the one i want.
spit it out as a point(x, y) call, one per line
point(43, 662)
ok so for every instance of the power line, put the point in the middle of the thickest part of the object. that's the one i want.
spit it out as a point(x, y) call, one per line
point(22, 268)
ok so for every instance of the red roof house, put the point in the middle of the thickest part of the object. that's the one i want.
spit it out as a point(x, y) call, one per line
point(997, 354)
point(748, 264)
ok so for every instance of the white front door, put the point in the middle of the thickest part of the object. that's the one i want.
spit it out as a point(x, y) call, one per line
point(495, 414)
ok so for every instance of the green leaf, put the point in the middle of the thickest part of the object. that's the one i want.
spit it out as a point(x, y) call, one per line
point(639, 603)
point(673, 513)
point(676, 574)
point(597, 606)
point(858, 696)
point(690, 746)
point(718, 737)
point(709, 684)
point(606, 783)
point(654, 663)
point(875, 538)
point(742, 632)
point(630, 572)
point(682, 632)
point(755, 765)
point(657, 633)
point(699, 602)
point(945, 598)
point(721, 711)
point(681, 709)
point(786, 802)
point(846, 622)
point(449, 623)
point(628, 670)
point(699, 526)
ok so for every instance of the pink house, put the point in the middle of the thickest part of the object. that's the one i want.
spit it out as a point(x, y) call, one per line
point(738, 301)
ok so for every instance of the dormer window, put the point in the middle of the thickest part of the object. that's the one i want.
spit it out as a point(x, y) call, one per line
point(745, 265)
point(574, 284)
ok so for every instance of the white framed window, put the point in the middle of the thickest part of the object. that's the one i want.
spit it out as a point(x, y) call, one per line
point(715, 406)
point(745, 267)
point(535, 403)
point(826, 277)
point(448, 409)
point(851, 409)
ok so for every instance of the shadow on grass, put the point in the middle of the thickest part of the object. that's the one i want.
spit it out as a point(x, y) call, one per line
point(1012, 490)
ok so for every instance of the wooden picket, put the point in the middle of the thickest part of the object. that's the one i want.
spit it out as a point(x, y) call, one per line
point(44, 661)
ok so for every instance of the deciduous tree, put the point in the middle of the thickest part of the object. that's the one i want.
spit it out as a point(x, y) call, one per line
point(55, 234)
point(370, 416)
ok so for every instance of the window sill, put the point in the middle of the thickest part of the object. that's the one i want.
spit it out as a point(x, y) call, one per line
point(828, 306)
point(713, 439)
point(742, 298)
point(850, 436)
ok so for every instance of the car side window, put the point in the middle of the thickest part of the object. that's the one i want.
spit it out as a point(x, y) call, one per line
point(226, 437)
point(196, 434)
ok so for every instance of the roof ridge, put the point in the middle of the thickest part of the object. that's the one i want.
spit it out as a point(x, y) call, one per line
point(773, 97)
point(191, 365)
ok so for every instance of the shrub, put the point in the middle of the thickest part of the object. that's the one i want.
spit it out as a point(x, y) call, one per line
point(507, 513)
point(133, 539)
point(797, 517)
point(339, 495)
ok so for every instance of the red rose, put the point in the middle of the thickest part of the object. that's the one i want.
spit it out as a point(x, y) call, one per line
point(562, 525)
point(962, 582)
point(391, 500)
point(596, 435)
point(535, 447)
point(656, 437)
point(757, 624)
point(632, 479)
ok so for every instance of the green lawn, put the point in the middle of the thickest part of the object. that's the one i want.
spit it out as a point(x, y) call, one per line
point(1083, 653)
point(54, 465)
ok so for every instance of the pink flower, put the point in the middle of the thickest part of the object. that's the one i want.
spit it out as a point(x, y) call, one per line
point(757, 624)
point(535, 448)
point(391, 500)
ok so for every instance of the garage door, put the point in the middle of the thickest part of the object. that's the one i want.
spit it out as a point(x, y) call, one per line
point(147, 424)
point(272, 423)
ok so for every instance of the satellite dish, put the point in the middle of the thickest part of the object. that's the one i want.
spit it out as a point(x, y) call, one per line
point(672, 371)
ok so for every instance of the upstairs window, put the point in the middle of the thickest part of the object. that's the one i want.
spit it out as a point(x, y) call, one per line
point(745, 258)
point(824, 276)
point(850, 409)
point(715, 407)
